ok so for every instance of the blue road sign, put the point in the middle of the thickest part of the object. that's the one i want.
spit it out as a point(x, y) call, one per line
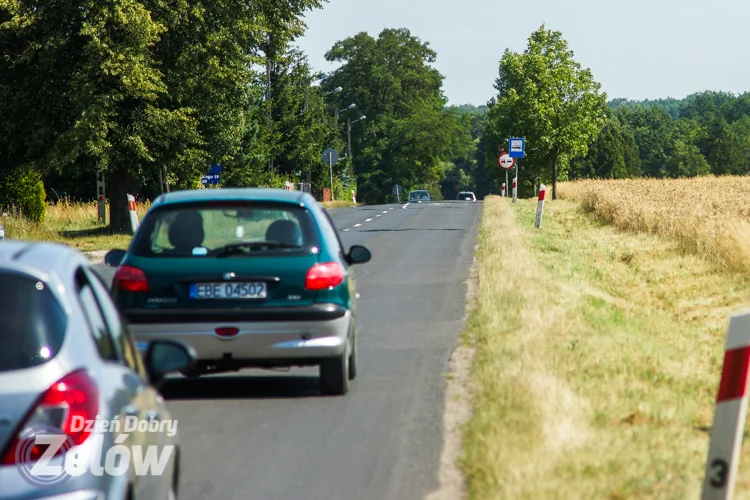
point(214, 175)
point(516, 147)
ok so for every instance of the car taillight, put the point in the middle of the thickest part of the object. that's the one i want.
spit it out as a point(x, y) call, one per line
point(72, 400)
point(130, 279)
point(323, 276)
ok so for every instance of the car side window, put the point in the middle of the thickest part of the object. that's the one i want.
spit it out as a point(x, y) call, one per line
point(104, 342)
point(117, 327)
point(331, 234)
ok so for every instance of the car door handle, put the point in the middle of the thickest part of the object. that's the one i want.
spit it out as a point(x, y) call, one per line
point(131, 411)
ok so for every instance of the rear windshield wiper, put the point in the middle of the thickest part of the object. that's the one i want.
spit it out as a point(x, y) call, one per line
point(232, 248)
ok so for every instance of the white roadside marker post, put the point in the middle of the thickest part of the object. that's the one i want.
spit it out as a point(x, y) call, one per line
point(730, 414)
point(133, 212)
point(540, 206)
point(503, 190)
point(515, 190)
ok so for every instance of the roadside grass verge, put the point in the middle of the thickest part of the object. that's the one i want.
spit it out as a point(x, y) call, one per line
point(77, 225)
point(598, 355)
point(708, 216)
point(339, 204)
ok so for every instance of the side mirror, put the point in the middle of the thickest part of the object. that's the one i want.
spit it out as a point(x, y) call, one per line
point(167, 356)
point(114, 257)
point(358, 255)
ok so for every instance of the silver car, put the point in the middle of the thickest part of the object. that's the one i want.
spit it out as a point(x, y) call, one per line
point(68, 368)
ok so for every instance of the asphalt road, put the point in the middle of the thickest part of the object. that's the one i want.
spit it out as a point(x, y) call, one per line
point(267, 435)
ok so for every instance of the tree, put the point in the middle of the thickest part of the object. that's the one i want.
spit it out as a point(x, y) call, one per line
point(408, 133)
point(613, 155)
point(546, 96)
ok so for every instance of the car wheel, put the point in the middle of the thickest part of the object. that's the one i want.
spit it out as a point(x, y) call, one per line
point(334, 376)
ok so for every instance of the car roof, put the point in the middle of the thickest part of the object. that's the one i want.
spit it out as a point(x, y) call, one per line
point(37, 258)
point(418, 191)
point(234, 194)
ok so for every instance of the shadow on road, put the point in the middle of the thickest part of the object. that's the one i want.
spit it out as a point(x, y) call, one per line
point(241, 387)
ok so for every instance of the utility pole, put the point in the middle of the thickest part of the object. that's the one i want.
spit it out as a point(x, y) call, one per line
point(349, 138)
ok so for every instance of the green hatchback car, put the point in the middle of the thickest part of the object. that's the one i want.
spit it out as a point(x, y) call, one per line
point(250, 278)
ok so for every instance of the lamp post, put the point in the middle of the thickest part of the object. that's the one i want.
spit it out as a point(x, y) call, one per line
point(351, 106)
point(337, 89)
point(349, 134)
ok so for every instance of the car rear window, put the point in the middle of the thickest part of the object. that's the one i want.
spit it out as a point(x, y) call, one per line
point(206, 230)
point(33, 325)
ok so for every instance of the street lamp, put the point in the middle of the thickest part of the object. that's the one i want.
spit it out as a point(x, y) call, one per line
point(337, 89)
point(349, 134)
point(351, 106)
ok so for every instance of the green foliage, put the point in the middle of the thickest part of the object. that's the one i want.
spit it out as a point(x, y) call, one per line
point(407, 133)
point(545, 96)
point(22, 189)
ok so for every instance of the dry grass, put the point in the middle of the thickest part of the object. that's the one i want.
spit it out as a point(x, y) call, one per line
point(75, 224)
point(598, 356)
point(339, 204)
point(709, 216)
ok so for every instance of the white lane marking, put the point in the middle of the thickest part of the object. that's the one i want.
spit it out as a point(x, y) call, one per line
point(357, 225)
point(378, 215)
point(368, 220)
point(385, 211)
point(405, 206)
point(346, 229)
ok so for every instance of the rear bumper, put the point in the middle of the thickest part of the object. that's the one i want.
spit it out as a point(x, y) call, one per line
point(316, 312)
point(296, 336)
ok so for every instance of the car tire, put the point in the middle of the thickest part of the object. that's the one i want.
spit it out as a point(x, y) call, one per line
point(334, 376)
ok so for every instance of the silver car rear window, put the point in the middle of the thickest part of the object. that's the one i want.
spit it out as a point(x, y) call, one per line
point(33, 323)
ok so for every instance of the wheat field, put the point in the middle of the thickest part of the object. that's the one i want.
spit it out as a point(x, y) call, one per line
point(708, 216)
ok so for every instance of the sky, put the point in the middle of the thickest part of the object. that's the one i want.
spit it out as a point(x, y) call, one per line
point(638, 49)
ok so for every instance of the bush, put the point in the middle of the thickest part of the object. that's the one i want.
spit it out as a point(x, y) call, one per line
point(22, 190)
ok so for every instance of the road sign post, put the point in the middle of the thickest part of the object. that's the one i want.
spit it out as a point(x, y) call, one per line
point(517, 149)
point(330, 156)
point(397, 191)
point(731, 411)
point(101, 199)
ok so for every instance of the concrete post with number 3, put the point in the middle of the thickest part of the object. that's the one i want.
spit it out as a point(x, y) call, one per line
point(730, 414)
point(540, 206)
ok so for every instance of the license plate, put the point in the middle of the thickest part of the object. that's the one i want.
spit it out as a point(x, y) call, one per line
point(228, 291)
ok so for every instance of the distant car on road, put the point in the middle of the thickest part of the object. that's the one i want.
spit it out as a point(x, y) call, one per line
point(251, 278)
point(419, 196)
point(466, 196)
point(67, 359)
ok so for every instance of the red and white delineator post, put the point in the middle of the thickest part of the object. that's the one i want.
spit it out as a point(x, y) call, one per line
point(515, 189)
point(132, 210)
point(540, 206)
point(503, 190)
point(730, 414)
